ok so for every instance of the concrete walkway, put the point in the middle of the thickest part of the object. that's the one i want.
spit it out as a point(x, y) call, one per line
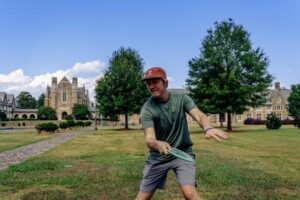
point(21, 154)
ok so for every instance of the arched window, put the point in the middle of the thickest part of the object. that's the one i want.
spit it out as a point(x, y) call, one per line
point(16, 116)
point(24, 116)
point(32, 116)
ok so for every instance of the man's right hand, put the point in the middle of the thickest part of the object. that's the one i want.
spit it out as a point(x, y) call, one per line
point(163, 147)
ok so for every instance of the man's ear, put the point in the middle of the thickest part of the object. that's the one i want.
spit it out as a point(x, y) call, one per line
point(166, 82)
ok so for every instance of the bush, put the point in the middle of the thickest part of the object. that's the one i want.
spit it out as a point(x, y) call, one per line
point(71, 123)
point(79, 123)
point(87, 123)
point(63, 125)
point(3, 124)
point(69, 117)
point(273, 122)
point(297, 121)
point(287, 122)
point(47, 127)
point(252, 121)
point(23, 124)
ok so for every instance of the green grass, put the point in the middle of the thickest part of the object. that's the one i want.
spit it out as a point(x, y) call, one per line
point(254, 163)
point(14, 139)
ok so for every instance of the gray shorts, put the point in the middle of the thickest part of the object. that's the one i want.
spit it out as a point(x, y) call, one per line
point(155, 174)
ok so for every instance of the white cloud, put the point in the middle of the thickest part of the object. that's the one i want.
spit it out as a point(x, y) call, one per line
point(94, 66)
point(15, 77)
point(16, 81)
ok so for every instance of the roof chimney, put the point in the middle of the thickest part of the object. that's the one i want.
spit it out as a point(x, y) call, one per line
point(277, 85)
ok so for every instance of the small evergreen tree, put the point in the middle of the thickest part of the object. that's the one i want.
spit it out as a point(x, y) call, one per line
point(273, 122)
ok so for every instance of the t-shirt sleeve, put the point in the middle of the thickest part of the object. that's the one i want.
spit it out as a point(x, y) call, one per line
point(188, 103)
point(146, 118)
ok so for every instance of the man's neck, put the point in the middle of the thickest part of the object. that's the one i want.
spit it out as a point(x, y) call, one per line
point(164, 98)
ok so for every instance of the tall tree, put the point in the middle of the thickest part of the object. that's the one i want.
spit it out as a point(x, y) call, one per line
point(26, 100)
point(229, 75)
point(121, 90)
point(80, 111)
point(46, 113)
point(294, 104)
point(41, 100)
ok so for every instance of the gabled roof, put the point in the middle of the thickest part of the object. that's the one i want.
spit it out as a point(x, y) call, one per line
point(2, 97)
point(64, 80)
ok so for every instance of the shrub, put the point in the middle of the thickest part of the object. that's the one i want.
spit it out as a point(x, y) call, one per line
point(23, 124)
point(47, 127)
point(79, 123)
point(250, 121)
point(273, 122)
point(19, 124)
point(297, 121)
point(63, 125)
point(69, 117)
point(71, 123)
point(3, 124)
point(87, 123)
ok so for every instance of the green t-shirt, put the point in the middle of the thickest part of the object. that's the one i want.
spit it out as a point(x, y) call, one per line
point(169, 122)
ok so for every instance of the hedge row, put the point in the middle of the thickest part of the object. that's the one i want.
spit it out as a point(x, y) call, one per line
point(252, 121)
point(51, 127)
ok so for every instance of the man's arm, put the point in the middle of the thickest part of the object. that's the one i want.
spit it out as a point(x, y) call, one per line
point(203, 121)
point(151, 141)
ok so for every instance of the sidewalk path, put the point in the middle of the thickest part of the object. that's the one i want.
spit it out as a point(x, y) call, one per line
point(20, 154)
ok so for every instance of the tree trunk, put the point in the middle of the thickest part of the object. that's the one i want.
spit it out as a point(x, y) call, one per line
point(229, 127)
point(221, 119)
point(126, 121)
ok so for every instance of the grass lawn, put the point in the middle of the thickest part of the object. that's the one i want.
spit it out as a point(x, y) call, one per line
point(254, 163)
point(12, 139)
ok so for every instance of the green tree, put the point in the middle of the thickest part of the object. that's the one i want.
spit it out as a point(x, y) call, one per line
point(3, 116)
point(26, 100)
point(229, 75)
point(121, 90)
point(81, 111)
point(46, 113)
point(294, 104)
point(40, 102)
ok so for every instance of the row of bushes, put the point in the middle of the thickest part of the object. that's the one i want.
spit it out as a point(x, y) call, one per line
point(251, 121)
point(51, 127)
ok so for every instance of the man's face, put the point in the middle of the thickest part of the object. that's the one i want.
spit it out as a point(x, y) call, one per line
point(156, 87)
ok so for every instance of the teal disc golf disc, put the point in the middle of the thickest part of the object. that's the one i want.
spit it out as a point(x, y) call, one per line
point(181, 154)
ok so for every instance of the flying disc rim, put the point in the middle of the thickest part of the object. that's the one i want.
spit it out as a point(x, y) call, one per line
point(185, 156)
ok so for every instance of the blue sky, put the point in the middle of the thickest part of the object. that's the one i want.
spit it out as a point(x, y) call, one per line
point(44, 38)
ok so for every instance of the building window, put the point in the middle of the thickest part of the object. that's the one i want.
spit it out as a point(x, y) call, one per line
point(278, 107)
point(249, 116)
point(278, 115)
point(64, 95)
point(258, 116)
point(278, 100)
point(129, 120)
point(269, 107)
point(239, 117)
point(259, 108)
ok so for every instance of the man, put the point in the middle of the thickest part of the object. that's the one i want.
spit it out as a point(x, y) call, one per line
point(164, 122)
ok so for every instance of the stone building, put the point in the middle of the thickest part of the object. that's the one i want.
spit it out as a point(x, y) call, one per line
point(276, 103)
point(7, 104)
point(63, 95)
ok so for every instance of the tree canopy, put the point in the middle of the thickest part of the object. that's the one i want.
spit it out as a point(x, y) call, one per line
point(81, 111)
point(121, 90)
point(40, 102)
point(294, 104)
point(229, 75)
point(26, 100)
point(46, 113)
